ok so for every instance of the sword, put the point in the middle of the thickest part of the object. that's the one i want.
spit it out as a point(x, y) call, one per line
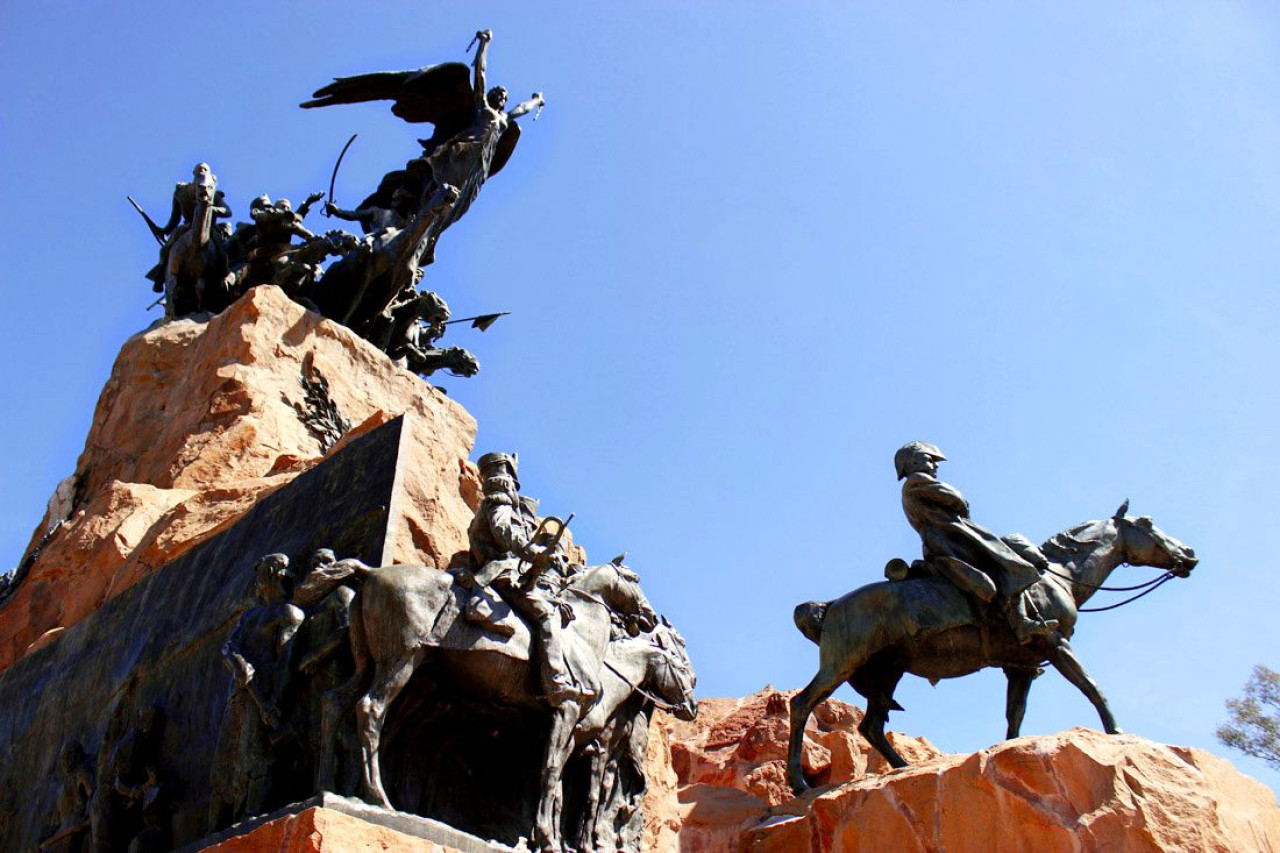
point(334, 176)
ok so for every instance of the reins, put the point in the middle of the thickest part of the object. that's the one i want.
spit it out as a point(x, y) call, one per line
point(1154, 585)
point(1147, 588)
point(660, 703)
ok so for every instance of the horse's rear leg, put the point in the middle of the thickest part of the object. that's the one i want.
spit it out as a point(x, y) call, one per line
point(1065, 661)
point(371, 713)
point(878, 684)
point(1015, 704)
point(802, 705)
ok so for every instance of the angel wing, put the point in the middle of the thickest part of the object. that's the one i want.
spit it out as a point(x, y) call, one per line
point(438, 94)
point(441, 95)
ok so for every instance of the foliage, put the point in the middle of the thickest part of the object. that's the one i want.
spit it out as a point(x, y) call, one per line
point(1255, 718)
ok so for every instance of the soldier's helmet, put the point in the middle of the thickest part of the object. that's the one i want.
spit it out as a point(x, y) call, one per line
point(499, 465)
point(911, 450)
point(260, 202)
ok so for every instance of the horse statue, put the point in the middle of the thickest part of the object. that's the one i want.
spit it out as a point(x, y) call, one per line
point(356, 289)
point(926, 626)
point(650, 671)
point(406, 618)
point(196, 263)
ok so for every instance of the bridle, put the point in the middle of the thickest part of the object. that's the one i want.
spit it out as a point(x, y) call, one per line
point(1147, 587)
point(662, 704)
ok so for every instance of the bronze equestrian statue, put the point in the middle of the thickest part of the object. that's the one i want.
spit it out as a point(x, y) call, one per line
point(933, 626)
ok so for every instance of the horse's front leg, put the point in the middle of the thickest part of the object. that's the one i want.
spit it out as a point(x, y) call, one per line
point(1065, 661)
point(546, 830)
point(588, 836)
point(371, 714)
point(1015, 705)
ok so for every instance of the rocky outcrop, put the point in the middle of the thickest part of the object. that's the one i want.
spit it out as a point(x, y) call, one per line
point(1076, 791)
point(199, 420)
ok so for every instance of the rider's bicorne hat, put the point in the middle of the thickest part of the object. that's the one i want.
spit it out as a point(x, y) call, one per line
point(910, 451)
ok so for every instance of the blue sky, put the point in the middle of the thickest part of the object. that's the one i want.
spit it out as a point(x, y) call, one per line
point(748, 253)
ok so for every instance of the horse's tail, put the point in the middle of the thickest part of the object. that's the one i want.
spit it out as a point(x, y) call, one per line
point(809, 618)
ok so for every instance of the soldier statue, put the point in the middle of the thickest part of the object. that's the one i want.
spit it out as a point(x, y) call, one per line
point(259, 250)
point(979, 563)
point(259, 656)
point(185, 197)
point(71, 834)
point(511, 556)
point(373, 218)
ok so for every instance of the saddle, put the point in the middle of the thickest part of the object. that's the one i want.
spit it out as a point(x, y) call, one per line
point(962, 575)
point(502, 630)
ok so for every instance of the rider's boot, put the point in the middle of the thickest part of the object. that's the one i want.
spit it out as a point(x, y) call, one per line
point(1026, 628)
point(556, 684)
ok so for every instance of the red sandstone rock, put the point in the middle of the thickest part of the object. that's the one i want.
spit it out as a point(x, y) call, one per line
point(197, 423)
point(1075, 791)
point(319, 830)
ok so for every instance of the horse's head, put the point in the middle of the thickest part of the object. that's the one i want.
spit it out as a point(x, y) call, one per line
point(619, 588)
point(206, 184)
point(461, 362)
point(671, 676)
point(1144, 544)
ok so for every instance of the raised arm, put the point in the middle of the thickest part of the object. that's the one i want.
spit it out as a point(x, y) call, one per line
point(482, 59)
point(332, 209)
point(536, 102)
point(221, 210)
point(305, 207)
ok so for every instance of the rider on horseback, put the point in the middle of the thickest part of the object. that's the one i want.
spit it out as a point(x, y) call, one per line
point(973, 558)
point(527, 573)
point(185, 197)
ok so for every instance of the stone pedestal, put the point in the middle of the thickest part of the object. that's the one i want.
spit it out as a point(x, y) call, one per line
point(333, 824)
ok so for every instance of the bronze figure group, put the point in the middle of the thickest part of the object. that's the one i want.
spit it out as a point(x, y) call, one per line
point(372, 283)
point(518, 634)
point(515, 623)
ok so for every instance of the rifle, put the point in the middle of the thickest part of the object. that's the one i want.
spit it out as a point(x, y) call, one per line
point(156, 230)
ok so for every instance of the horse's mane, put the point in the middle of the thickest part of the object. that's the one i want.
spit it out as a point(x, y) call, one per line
point(1071, 543)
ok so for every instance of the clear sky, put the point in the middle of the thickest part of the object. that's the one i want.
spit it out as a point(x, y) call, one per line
point(750, 249)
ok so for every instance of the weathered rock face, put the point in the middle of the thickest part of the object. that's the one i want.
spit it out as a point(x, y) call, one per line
point(1078, 790)
point(201, 419)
